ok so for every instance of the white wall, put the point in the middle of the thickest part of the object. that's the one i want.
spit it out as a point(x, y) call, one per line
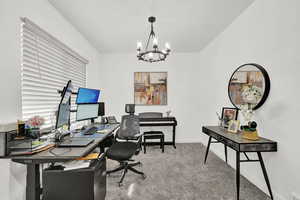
point(42, 13)
point(115, 78)
point(267, 33)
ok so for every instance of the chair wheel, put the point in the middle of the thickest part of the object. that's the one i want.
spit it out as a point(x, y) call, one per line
point(120, 184)
point(144, 176)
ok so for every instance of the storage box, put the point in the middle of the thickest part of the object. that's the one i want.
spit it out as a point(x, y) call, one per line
point(6, 130)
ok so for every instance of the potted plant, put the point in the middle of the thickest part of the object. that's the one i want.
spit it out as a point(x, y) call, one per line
point(33, 125)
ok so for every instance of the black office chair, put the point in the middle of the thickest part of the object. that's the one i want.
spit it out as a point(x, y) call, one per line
point(127, 143)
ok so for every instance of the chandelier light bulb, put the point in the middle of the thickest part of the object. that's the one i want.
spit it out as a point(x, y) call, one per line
point(139, 46)
point(167, 45)
point(155, 43)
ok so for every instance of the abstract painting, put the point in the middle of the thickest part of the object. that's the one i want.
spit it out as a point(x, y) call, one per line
point(150, 88)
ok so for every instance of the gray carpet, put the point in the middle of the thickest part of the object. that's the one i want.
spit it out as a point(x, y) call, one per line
point(179, 174)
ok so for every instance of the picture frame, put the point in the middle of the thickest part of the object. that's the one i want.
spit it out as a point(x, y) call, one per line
point(151, 88)
point(229, 114)
point(233, 126)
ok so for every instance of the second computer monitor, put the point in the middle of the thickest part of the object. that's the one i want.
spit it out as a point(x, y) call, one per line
point(87, 111)
point(86, 95)
point(63, 115)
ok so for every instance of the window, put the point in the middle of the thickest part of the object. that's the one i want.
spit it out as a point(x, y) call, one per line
point(47, 64)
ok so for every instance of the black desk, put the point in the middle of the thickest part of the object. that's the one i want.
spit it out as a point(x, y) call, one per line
point(240, 145)
point(33, 185)
point(161, 121)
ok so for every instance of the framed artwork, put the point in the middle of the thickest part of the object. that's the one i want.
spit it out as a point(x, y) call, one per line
point(233, 126)
point(150, 88)
point(229, 114)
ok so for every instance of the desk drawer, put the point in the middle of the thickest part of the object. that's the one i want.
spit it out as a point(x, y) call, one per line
point(232, 145)
point(225, 141)
point(269, 147)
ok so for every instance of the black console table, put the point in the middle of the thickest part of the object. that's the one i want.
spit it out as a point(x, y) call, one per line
point(240, 145)
point(161, 121)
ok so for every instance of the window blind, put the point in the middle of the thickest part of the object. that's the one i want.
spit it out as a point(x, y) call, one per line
point(46, 66)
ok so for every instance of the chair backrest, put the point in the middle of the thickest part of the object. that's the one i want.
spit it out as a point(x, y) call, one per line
point(150, 115)
point(129, 127)
point(130, 108)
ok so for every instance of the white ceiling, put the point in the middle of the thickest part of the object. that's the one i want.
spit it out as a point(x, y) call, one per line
point(114, 26)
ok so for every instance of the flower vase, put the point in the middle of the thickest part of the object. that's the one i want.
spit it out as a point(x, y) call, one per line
point(35, 132)
point(247, 112)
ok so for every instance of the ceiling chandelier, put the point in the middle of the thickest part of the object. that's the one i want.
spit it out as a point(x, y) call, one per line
point(152, 54)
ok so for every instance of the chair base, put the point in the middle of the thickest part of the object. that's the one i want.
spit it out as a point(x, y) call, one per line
point(126, 166)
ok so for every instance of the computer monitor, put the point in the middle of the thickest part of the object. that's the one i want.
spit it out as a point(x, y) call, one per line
point(63, 115)
point(66, 93)
point(86, 95)
point(87, 111)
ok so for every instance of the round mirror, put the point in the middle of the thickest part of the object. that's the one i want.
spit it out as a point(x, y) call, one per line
point(249, 86)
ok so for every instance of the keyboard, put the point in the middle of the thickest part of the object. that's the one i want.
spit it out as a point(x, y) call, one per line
point(76, 142)
point(90, 131)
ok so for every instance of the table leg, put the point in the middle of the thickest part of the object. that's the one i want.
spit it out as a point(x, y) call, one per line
point(207, 149)
point(33, 187)
point(237, 175)
point(265, 173)
point(163, 143)
point(144, 144)
point(174, 132)
point(225, 148)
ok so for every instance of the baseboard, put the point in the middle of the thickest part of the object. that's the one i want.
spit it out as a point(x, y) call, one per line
point(188, 141)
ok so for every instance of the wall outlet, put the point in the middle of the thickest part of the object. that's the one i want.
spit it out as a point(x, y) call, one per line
point(295, 196)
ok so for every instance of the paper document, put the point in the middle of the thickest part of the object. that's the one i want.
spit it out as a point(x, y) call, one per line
point(76, 165)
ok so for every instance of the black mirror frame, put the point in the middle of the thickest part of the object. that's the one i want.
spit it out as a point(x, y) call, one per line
point(267, 84)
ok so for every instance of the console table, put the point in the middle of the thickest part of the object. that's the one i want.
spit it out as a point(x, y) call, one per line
point(240, 145)
point(161, 121)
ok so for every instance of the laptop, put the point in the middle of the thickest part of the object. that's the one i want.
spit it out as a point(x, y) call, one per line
point(82, 142)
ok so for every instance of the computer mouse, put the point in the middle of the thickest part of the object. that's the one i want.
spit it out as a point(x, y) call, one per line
point(83, 128)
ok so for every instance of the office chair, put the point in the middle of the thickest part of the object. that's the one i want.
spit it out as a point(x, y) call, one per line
point(127, 143)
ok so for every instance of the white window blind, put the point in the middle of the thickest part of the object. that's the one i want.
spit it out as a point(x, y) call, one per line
point(47, 64)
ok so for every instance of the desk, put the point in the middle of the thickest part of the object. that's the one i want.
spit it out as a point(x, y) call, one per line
point(240, 145)
point(33, 185)
point(161, 121)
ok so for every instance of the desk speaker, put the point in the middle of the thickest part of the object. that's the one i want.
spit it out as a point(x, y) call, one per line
point(101, 110)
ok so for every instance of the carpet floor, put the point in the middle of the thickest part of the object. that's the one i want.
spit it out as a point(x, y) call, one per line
point(179, 174)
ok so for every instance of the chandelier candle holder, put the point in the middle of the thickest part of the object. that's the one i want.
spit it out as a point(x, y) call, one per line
point(152, 54)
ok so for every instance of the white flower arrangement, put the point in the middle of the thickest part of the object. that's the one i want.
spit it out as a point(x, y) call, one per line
point(251, 94)
point(35, 121)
